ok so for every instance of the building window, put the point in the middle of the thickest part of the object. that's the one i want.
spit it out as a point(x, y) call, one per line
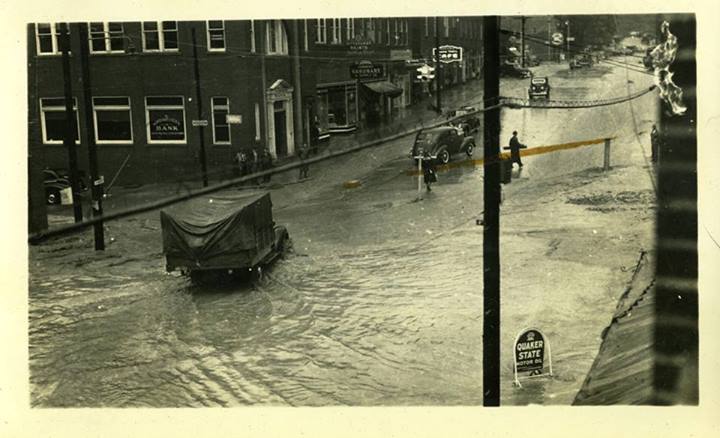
point(221, 129)
point(106, 37)
point(446, 26)
point(427, 26)
point(370, 29)
point(257, 121)
point(276, 38)
point(336, 31)
point(113, 120)
point(404, 34)
point(350, 34)
point(52, 120)
point(46, 38)
point(160, 36)
point(165, 119)
point(216, 36)
point(388, 36)
point(321, 37)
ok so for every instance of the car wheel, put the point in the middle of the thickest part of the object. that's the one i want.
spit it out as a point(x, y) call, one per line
point(444, 157)
point(53, 197)
point(469, 149)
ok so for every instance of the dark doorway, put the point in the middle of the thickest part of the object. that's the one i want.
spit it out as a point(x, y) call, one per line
point(280, 130)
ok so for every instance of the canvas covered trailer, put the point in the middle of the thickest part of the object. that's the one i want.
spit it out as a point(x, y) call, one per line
point(224, 231)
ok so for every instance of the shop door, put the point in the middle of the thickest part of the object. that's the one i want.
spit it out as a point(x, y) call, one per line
point(281, 147)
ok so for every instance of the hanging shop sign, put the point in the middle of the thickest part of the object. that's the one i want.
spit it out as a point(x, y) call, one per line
point(233, 119)
point(531, 354)
point(557, 38)
point(366, 70)
point(448, 54)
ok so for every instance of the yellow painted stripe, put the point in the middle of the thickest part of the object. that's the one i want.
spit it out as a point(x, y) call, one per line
point(506, 155)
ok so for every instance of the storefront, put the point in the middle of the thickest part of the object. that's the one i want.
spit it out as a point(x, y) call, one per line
point(403, 82)
point(337, 107)
point(378, 99)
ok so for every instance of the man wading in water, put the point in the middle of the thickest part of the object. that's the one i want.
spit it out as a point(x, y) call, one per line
point(515, 147)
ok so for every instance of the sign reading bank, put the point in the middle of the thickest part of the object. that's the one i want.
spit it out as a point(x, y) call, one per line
point(531, 352)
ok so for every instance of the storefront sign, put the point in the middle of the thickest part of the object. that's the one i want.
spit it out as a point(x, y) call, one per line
point(449, 54)
point(366, 70)
point(529, 354)
point(418, 62)
point(197, 123)
point(359, 44)
point(166, 127)
point(233, 119)
point(557, 38)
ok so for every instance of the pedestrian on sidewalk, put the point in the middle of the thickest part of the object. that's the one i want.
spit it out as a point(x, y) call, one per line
point(429, 174)
point(304, 154)
point(255, 162)
point(314, 137)
point(266, 163)
point(515, 147)
point(241, 160)
point(654, 143)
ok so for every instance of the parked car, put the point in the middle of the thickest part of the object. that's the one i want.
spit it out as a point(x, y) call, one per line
point(442, 142)
point(513, 70)
point(466, 118)
point(57, 180)
point(532, 60)
point(575, 63)
point(539, 87)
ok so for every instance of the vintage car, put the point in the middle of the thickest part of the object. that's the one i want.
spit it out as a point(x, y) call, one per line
point(441, 143)
point(466, 118)
point(539, 87)
point(57, 180)
point(513, 70)
point(222, 235)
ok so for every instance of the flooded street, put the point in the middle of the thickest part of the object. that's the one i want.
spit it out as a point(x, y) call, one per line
point(380, 300)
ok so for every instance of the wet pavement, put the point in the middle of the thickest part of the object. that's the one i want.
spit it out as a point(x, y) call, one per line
point(380, 302)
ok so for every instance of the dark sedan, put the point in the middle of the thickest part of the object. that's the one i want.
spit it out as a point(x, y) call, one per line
point(441, 143)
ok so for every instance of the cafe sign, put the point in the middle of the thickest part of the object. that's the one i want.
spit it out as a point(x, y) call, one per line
point(531, 352)
point(448, 54)
point(366, 70)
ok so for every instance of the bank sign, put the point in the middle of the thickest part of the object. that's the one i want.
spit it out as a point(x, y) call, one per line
point(531, 350)
point(366, 70)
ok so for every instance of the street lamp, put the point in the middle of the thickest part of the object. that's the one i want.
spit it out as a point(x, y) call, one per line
point(567, 37)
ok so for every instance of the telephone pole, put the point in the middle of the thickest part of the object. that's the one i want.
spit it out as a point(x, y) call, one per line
point(70, 122)
point(522, 40)
point(491, 216)
point(96, 182)
point(198, 96)
point(438, 70)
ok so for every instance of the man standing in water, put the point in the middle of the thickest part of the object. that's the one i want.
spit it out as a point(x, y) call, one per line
point(515, 147)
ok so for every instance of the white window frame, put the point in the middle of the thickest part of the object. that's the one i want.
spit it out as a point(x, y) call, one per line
point(169, 107)
point(281, 42)
point(54, 34)
point(387, 32)
point(161, 37)
point(336, 31)
point(58, 109)
point(207, 33)
point(350, 29)
point(258, 132)
point(427, 26)
point(108, 39)
point(252, 36)
point(127, 107)
point(321, 31)
point(305, 34)
point(225, 107)
point(446, 27)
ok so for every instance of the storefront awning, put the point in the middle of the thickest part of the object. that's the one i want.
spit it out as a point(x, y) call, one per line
point(384, 87)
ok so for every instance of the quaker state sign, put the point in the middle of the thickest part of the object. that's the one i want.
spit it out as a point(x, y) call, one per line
point(531, 353)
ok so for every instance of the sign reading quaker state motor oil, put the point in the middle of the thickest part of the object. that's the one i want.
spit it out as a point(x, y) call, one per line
point(529, 353)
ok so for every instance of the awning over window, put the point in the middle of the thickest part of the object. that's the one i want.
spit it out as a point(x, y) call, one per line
point(384, 87)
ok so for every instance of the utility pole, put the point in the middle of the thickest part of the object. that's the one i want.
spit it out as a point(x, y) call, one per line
point(548, 40)
point(522, 39)
point(491, 216)
point(70, 122)
point(198, 96)
point(297, 113)
point(438, 70)
point(96, 181)
point(567, 39)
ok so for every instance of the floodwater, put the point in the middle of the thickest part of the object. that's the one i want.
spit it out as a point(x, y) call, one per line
point(379, 302)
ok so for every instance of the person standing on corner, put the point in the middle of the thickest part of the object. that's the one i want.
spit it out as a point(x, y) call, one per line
point(266, 163)
point(428, 167)
point(654, 143)
point(303, 154)
point(515, 147)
